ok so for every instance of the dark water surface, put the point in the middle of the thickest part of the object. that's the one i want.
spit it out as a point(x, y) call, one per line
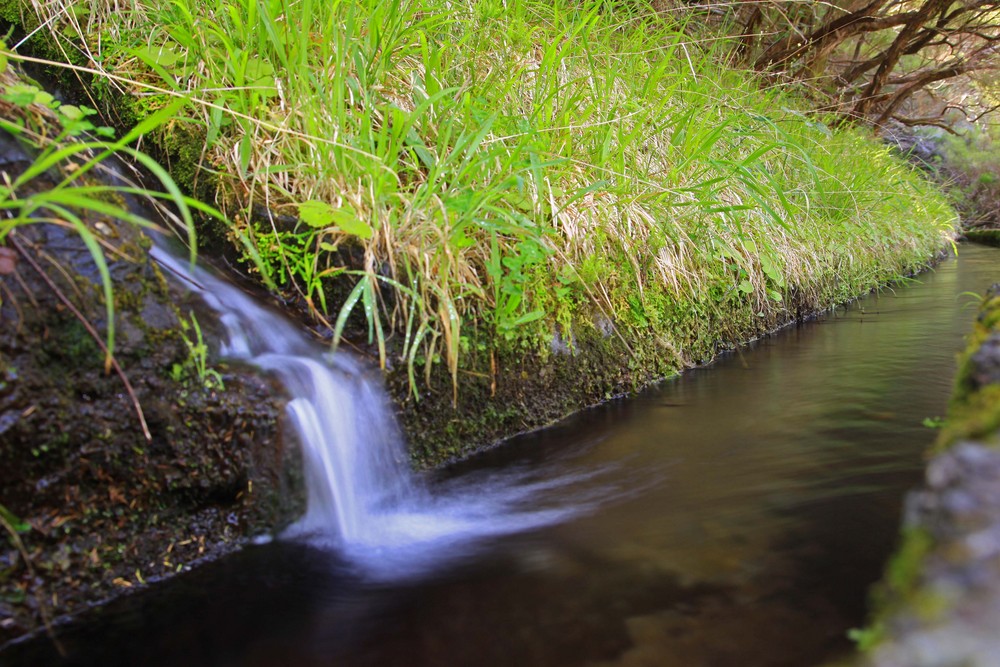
point(734, 516)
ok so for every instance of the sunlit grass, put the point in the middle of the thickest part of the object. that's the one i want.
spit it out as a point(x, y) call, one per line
point(511, 165)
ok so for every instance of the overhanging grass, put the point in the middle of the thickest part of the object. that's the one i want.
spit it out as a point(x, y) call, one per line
point(512, 165)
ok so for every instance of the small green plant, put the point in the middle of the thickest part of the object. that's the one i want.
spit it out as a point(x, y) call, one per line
point(933, 422)
point(195, 367)
point(14, 524)
point(510, 277)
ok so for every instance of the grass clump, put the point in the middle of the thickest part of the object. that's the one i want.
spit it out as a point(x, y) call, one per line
point(478, 172)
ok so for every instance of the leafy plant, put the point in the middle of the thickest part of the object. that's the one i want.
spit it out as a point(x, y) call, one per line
point(69, 157)
point(196, 366)
point(73, 155)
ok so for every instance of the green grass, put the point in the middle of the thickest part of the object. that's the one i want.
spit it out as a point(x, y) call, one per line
point(480, 171)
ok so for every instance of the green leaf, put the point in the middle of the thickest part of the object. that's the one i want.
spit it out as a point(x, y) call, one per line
point(246, 153)
point(163, 56)
point(414, 141)
point(45, 99)
point(153, 121)
point(20, 94)
point(349, 223)
point(767, 266)
point(71, 112)
point(320, 215)
point(527, 317)
point(18, 524)
point(316, 214)
point(460, 239)
point(257, 69)
point(746, 287)
point(345, 310)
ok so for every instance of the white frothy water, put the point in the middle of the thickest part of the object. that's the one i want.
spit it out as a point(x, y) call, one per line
point(363, 499)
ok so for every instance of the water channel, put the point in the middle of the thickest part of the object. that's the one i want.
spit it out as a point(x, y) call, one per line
point(736, 515)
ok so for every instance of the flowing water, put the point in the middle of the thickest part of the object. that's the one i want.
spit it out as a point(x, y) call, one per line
point(363, 501)
point(733, 516)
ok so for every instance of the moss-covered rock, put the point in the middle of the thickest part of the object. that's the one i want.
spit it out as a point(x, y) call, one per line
point(939, 602)
point(507, 392)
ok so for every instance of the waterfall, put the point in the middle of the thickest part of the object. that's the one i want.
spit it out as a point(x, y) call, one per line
point(355, 462)
point(363, 498)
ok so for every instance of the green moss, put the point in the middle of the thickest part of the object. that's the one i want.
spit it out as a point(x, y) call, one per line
point(11, 11)
point(511, 390)
point(975, 417)
point(974, 411)
point(904, 569)
point(899, 588)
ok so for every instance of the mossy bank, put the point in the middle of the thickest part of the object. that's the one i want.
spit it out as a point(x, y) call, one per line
point(493, 194)
point(939, 602)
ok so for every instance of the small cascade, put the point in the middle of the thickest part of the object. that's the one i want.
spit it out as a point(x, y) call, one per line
point(362, 497)
point(355, 462)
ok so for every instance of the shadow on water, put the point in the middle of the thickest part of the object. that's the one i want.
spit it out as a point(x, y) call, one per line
point(735, 516)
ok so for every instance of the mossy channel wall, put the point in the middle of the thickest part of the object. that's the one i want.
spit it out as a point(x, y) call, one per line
point(89, 506)
point(939, 601)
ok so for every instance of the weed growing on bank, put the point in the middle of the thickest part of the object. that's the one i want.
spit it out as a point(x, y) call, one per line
point(481, 173)
point(57, 186)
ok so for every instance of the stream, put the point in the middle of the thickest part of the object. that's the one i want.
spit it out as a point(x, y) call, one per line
point(735, 515)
